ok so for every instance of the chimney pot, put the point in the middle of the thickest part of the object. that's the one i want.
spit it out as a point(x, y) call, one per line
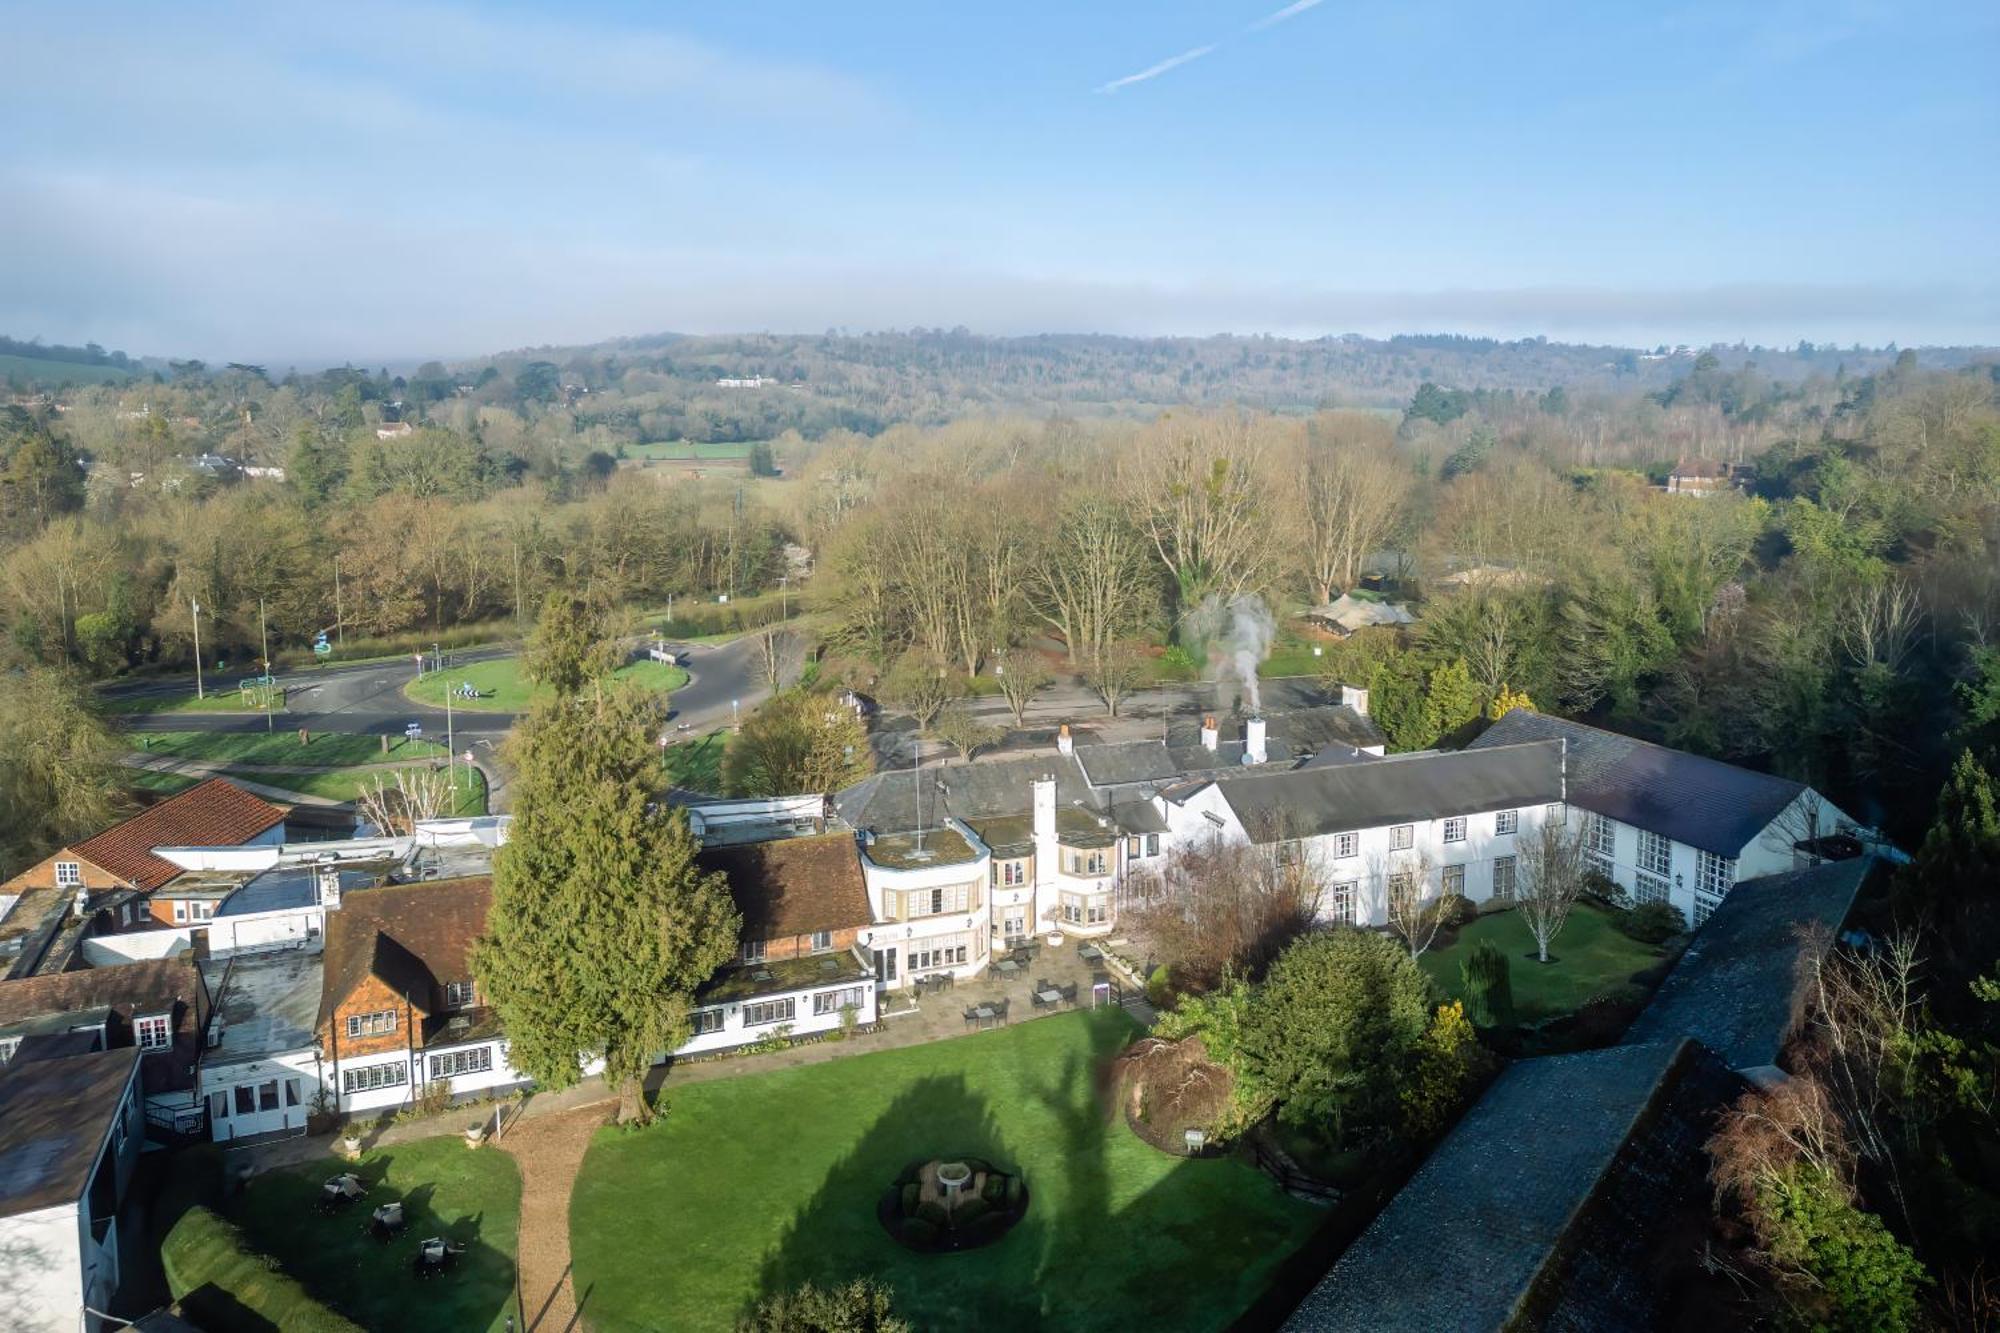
point(1210, 737)
point(1064, 741)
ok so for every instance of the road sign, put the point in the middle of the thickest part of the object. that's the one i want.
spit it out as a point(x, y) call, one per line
point(414, 730)
point(321, 648)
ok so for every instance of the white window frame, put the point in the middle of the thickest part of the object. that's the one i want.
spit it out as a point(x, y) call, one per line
point(763, 1013)
point(373, 1078)
point(69, 874)
point(460, 994)
point(1505, 871)
point(1341, 899)
point(1346, 844)
point(153, 1032)
point(822, 941)
point(1452, 879)
point(753, 951)
point(1086, 909)
point(376, 1023)
point(704, 1021)
point(833, 1001)
point(1656, 853)
point(1650, 888)
point(1454, 829)
point(457, 1064)
point(1402, 837)
point(935, 952)
point(1506, 821)
point(8, 1045)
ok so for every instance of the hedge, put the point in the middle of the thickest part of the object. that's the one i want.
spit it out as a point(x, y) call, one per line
point(226, 1286)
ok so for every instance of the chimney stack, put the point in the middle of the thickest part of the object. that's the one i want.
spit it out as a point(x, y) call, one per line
point(1064, 741)
point(1253, 741)
point(1210, 737)
point(1355, 698)
point(326, 879)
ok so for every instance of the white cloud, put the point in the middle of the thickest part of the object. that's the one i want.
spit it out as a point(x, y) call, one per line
point(1291, 11)
point(1155, 71)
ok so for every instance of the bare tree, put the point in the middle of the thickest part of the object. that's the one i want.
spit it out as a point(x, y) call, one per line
point(774, 647)
point(1549, 871)
point(396, 807)
point(1120, 668)
point(1022, 672)
point(1217, 907)
point(1090, 580)
point(1200, 497)
point(1415, 912)
point(921, 684)
point(957, 727)
point(1348, 498)
point(1879, 622)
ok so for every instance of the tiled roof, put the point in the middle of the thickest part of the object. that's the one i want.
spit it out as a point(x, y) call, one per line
point(413, 937)
point(54, 1115)
point(1399, 789)
point(1732, 989)
point(794, 886)
point(118, 994)
point(1703, 803)
point(215, 813)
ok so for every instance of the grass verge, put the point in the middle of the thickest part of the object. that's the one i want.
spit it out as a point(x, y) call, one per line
point(502, 688)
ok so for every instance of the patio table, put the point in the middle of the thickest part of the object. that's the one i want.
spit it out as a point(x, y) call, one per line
point(1007, 966)
point(985, 1013)
point(1050, 996)
point(1089, 953)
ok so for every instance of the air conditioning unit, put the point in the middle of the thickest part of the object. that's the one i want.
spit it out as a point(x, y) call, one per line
point(214, 1034)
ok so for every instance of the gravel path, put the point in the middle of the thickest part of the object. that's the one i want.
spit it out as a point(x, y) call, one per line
point(549, 1150)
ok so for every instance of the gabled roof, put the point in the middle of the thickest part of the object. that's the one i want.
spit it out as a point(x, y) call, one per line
point(1703, 803)
point(54, 1115)
point(1397, 789)
point(794, 886)
point(1732, 989)
point(215, 813)
point(409, 936)
point(128, 989)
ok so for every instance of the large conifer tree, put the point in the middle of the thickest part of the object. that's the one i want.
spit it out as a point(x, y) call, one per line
point(602, 923)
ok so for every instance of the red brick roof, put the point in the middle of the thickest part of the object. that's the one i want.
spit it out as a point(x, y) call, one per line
point(217, 813)
point(794, 886)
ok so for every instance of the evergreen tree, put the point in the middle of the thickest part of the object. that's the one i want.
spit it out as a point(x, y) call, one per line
point(1488, 984)
point(602, 922)
point(59, 774)
point(1452, 699)
point(1959, 861)
point(797, 742)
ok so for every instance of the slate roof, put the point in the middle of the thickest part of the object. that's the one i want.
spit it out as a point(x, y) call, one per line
point(886, 802)
point(413, 937)
point(1494, 1224)
point(54, 1116)
point(215, 813)
point(794, 886)
point(1732, 989)
point(116, 995)
point(1703, 803)
point(1396, 789)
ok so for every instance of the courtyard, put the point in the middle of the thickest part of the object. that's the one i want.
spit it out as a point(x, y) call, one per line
point(1591, 959)
point(755, 1184)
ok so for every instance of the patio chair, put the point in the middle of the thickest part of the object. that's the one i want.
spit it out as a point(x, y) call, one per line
point(1068, 993)
point(971, 1015)
point(1000, 1011)
point(1035, 998)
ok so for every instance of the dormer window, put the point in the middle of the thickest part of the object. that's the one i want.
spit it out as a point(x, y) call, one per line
point(69, 874)
point(753, 951)
point(460, 994)
point(153, 1032)
point(822, 941)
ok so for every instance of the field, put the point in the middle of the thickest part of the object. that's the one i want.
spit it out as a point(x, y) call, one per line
point(1590, 958)
point(333, 784)
point(33, 369)
point(697, 763)
point(502, 690)
point(687, 451)
point(761, 1182)
point(327, 750)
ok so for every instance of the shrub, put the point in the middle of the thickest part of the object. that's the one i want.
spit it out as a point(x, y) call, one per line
point(1448, 1061)
point(861, 1306)
point(1484, 975)
point(911, 1193)
point(986, 1227)
point(228, 1287)
point(1652, 923)
point(1159, 988)
point(1455, 910)
point(933, 1212)
point(1013, 1192)
point(917, 1231)
point(970, 1210)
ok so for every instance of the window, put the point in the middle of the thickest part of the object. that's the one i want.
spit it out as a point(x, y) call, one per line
point(704, 1021)
point(1656, 854)
point(822, 941)
point(1402, 837)
point(246, 1099)
point(762, 1012)
point(1553, 812)
point(1015, 927)
point(1454, 880)
point(473, 1060)
point(154, 1032)
point(1599, 843)
point(8, 1045)
point(833, 1001)
point(1086, 863)
point(69, 874)
point(1079, 909)
point(1346, 844)
point(1507, 821)
point(1454, 829)
point(1152, 844)
point(1649, 888)
point(369, 1078)
point(885, 965)
point(460, 994)
point(381, 1023)
point(937, 902)
point(753, 951)
point(1011, 873)
point(1341, 903)
point(1286, 853)
point(944, 951)
point(267, 1095)
point(1132, 847)
point(1503, 878)
point(191, 910)
point(1714, 874)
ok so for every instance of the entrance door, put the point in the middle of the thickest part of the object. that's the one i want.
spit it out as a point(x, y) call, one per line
point(885, 967)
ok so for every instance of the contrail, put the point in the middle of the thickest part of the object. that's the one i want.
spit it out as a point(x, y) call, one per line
point(1291, 11)
point(1155, 71)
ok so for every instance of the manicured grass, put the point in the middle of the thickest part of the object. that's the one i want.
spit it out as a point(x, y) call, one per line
point(1591, 958)
point(327, 750)
point(165, 784)
point(697, 764)
point(470, 1197)
point(761, 1182)
point(503, 690)
point(223, 698)
point(344, 784)
point(687, 449)
point(35, 370)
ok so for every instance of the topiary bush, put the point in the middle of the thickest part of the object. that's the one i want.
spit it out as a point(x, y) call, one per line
point(1159, 988)
point(995, 1189)
point(1455, 910)
point(934, 1213)
point(1487, 981)
point(1652, 923)
point(909, 1199)
point(917, 1232)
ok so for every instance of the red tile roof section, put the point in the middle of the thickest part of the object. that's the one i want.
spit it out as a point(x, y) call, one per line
point(217, 813)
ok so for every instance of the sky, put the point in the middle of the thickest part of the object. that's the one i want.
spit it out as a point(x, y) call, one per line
point(375, 182)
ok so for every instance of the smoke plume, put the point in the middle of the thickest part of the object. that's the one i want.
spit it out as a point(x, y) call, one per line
point(1238, 633)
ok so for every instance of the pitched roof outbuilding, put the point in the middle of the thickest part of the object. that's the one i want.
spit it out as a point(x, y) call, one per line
point(1703, 803)
point(215, 813)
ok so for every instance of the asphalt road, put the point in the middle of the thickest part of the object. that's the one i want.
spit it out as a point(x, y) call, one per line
point(368, 700)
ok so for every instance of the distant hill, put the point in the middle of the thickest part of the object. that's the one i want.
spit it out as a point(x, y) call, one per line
point(23, 372)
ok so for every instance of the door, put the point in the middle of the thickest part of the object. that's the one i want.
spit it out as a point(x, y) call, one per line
point(885, 967)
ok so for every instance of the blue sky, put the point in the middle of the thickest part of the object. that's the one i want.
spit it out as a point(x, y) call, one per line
point(398, 180)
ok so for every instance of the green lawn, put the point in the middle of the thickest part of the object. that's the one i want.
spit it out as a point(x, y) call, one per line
point(1591, 957)
point(689, 449)
point(221, 697)
point(502, 689)
point(35, 370)
point(697, 763)
point(335, 784)
point(762, 1182)
point(471, 1197)
point(326, 750)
